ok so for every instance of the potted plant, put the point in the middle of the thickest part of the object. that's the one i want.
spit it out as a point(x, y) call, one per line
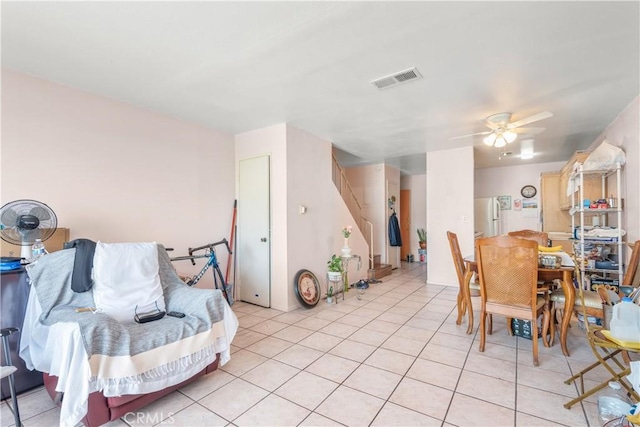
point(422, 238)
point(334, 265)
point(330, 295)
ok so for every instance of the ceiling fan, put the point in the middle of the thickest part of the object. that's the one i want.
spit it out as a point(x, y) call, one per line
point(504, 131)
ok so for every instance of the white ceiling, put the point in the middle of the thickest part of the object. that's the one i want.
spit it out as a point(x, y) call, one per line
point(238, 66)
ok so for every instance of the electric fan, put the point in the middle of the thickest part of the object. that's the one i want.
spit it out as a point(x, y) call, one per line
point(24, 221)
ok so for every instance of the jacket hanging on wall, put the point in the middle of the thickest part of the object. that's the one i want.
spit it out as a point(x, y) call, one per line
point(395, 239)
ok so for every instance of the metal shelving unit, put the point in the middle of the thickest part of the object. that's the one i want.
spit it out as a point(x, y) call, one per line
point(580, 211)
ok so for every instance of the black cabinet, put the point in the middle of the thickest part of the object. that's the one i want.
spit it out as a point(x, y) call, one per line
point(14, 294)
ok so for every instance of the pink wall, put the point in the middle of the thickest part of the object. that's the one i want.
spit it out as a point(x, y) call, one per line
point(449, 208)
point(314, 236)
point(624, 132)
point(113, 172)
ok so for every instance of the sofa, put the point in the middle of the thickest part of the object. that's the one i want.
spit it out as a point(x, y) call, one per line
point(98, 368)
point(102, 409)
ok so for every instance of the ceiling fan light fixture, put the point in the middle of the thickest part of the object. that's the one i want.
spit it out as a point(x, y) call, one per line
point(500, 142)
point(509, 136)
point(489, 139)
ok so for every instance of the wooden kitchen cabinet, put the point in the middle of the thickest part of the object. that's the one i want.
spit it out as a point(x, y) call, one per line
point(553, 219)
point(592, 184)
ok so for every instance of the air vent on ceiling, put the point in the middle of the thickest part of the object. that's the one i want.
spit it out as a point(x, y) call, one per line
point(397, 78)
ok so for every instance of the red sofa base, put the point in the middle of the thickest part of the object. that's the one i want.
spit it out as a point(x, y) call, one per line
point(101, 409)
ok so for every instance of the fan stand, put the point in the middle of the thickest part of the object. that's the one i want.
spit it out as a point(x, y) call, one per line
point(25, 251)
point(25, 248)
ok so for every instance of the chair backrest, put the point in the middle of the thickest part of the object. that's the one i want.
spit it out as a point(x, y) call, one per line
point(539, 236)
point(458, 261)
point(508, 270)
point(632, 268)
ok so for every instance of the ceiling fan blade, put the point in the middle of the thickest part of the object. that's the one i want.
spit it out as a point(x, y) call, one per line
point(493, 126)
point(528, 130)
point(540, 116)
point(471, 134)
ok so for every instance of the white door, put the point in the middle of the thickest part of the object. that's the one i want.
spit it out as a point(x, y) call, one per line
point(254, 238)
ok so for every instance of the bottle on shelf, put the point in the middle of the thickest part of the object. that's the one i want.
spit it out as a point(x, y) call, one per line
point(37, 250)
point(613, 404)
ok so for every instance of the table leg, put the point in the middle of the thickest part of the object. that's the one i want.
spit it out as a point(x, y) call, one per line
point(569, 301)
point(546, 320)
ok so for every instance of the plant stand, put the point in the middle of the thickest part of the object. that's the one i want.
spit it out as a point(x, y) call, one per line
point(345, 267)
point(337, 284)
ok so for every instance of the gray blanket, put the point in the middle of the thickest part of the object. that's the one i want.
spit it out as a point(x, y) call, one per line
point(51, 277)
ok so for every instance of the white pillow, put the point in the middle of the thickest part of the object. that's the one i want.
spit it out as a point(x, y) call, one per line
point(125, 276)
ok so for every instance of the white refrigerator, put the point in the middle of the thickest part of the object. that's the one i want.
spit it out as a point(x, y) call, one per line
point(487, 217)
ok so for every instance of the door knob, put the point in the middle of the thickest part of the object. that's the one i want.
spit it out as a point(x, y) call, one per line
point(264, 239)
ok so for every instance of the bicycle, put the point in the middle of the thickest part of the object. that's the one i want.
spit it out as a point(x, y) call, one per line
point(212, 261)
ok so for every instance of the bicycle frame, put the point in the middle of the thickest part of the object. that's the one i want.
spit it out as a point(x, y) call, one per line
point(212, 261)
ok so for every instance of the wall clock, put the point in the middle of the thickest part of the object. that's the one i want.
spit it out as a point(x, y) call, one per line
point(528, 191)
point(307, 288)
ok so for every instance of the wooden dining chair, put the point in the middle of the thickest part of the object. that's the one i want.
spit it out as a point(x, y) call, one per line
point(466, 289)
point(591, 300)
point(508, 271)
point(539, 236)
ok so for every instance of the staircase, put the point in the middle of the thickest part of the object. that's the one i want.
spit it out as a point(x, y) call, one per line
point(350, 199)
point(378, 270)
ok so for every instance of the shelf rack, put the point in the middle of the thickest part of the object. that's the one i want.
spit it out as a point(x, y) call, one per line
point(578, 175)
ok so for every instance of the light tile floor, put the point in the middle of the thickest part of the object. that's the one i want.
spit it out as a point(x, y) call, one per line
point(393, 358)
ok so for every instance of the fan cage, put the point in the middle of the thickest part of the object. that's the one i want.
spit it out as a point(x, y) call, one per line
point(10, 213)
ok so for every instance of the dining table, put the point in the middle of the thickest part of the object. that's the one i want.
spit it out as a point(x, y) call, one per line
point(564, 276)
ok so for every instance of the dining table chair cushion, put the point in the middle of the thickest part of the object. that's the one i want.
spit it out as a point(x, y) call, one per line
point(539, 303)
point(591, 299)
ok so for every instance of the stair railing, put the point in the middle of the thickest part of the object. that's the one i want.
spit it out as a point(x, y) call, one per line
point(349, 197)
point(369, 226)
